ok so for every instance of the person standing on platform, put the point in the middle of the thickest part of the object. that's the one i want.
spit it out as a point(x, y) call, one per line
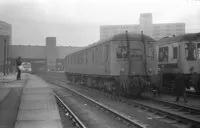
point(18, 64)
point(156, 81)
point(180, 87)
point(194, 80)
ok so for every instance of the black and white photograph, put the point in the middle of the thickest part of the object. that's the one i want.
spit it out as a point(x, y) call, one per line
point(99, 63)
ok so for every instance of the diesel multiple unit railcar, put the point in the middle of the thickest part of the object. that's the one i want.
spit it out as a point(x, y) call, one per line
point(26, 67)
point(179, 54)
point(119, 64)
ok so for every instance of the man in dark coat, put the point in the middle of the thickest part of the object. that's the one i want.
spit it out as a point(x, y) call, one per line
point(194, 80)
point(180, 87)
point(156, 83)
point(18, 63)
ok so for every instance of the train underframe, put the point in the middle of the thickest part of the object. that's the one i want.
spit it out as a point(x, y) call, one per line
point(169, 82)
point(116, 85)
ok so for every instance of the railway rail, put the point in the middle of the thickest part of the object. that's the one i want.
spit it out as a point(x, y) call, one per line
point(69, 113)
point(176, 113)
point(117, 115)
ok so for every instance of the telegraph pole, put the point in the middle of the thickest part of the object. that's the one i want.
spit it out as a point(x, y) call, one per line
point(145, 56)
point(128, 53)
point(4, 63)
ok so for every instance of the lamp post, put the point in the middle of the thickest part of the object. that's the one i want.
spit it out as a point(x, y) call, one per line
point(145, 58)
point(128, 53)
point(4, 64)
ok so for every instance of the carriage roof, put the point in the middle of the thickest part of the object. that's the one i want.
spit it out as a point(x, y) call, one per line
point(180, 38)
point(119, 37)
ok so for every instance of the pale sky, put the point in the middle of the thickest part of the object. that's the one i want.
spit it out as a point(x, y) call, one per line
point(77, 22)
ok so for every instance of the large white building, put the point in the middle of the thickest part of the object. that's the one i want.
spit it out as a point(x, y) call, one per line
point(156, 31)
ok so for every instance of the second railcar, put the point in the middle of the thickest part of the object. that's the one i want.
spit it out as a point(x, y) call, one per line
point(179, 54)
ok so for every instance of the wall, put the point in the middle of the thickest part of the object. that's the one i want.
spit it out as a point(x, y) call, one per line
point(4, 49)
point(5, 39)
point(62, 51)
point(27, 51)
point(51, 53)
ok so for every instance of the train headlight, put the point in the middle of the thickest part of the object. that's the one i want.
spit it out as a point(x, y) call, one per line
point(150, 70)
point(158, 69)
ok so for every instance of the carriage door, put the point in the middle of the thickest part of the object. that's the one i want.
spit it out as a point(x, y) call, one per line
point(198, 54)
point(122, 58)
point(106, 59)
point(174, 54)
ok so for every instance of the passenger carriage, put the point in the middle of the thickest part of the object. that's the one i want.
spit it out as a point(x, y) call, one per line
point(119, 64)
point(179, 54)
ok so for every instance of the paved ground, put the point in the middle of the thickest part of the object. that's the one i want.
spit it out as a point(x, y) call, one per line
point(27, 103)
point(10, 93)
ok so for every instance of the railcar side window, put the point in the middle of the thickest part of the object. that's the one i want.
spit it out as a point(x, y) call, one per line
point(198, 48)
point(86, 58)
point(106, 52)
point(190, 51)
point(163, 54)
point(96, 54)
point(93, 55)
point(175, 52)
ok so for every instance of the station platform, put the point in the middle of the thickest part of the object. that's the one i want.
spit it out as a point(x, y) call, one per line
point(28, 103)
point(192, 102)
point(6, 79)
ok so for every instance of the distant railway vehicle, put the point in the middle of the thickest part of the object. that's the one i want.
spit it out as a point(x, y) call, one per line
point(26, 67)
point(179, 54)
point(120, 64)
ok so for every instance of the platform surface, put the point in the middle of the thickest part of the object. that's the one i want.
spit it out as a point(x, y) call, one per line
point(10, 93)
point(38, 107)
point(27, 103)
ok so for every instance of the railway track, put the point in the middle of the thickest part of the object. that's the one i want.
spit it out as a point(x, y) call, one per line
point(129, 122)
point(69, 113)
point(176, 114)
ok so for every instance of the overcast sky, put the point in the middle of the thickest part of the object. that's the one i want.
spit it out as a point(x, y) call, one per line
point(77, 22)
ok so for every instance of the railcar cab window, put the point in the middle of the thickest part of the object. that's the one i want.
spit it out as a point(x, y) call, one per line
point(190, 50)
point(198, 49)
point(163, 54)
point(122, 52)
